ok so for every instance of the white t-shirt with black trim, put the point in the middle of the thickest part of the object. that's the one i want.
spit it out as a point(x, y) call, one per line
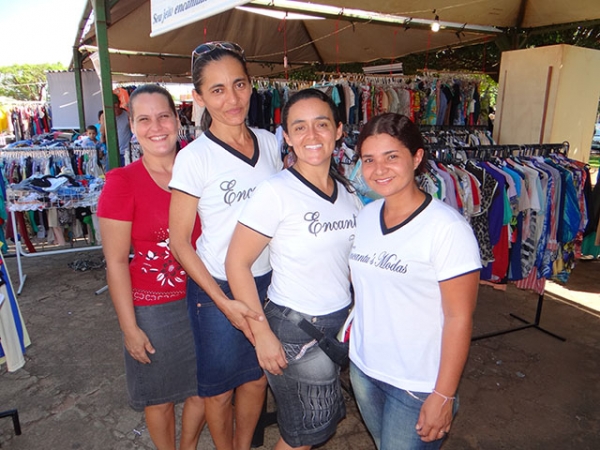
point(396, 335)
point(311, 236)
point(223, 179)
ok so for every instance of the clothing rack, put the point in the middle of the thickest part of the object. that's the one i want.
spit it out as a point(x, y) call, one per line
point(39, 152)
point(526, 150)
point(382, 78)
point(14, 414)
point(19, 252)
point(27, 118)
point(361, 96)
point(59, 154)
point(434, 72)
point(340, 76)
point(443, 152)
point(44, 151)
point(535, 324)
point(262, 83)
point(452, 127)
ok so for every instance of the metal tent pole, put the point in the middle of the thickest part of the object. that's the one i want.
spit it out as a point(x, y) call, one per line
point(79, 89)
point(101, 12)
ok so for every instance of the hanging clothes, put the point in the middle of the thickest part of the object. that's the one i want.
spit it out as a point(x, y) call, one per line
point(532, 211)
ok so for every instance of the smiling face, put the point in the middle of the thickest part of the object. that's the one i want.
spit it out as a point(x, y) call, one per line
point(225, 91)
point(388, 167)
point(154, 123)
point(312, 131)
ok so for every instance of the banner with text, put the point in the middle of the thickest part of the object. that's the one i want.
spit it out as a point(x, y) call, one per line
point(167, 15)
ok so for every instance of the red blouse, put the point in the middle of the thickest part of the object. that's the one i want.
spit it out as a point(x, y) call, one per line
point(131, 195)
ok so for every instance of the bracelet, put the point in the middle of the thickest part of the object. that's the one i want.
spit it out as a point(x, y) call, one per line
point(445, 397)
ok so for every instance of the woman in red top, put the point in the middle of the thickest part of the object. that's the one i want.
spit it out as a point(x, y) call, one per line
point(148, 293)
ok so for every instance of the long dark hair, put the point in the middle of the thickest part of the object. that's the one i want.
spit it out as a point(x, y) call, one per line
point(306, 94)
point(198, 68)
point(400, 128)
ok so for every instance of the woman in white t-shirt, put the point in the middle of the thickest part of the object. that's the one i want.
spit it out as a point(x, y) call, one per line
point(214, 176)
point(306, 216)
point(415, 271)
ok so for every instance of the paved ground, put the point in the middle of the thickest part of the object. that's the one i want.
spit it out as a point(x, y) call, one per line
point(521, 390)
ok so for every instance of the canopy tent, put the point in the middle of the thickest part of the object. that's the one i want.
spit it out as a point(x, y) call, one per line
point(391, 30)
point(335, 39)
point(524, 14)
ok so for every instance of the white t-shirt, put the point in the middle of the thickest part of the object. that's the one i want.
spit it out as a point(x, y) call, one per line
point(311, 238)
point(397, 330)
point(223, 179)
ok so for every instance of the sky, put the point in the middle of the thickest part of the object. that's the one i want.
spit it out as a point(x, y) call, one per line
point(38, 31)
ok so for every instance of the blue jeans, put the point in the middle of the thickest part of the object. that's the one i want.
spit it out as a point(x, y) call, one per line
point(390, 414)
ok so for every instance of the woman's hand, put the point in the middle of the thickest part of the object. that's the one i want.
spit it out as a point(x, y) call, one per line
point(239, 314)
point(270, 354)
point(459, 296)
point(435, 418)
point(138, 345)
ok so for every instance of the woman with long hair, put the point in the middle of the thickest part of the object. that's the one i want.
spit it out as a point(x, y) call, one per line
point(213, 177)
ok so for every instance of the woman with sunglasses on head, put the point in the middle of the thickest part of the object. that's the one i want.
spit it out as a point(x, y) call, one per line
point(213, 177)
point(306, 216)
point(148, 293)
point(415, 271)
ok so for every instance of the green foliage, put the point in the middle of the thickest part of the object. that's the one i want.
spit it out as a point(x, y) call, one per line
point(26, 81)
point(581, 36)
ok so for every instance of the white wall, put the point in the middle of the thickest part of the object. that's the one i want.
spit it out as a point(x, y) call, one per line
point(63, 99)
point(549, 95)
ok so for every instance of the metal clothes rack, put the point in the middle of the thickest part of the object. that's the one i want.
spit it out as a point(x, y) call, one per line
point(486, 152)
point(452, 127)
point(37, 204)
point(535, 324)
point(19, 252)
point(443, 151)
point(41, 153)
point(14, 414)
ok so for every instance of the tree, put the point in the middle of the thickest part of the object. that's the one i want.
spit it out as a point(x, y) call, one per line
point(485, 57)
point(26, 81)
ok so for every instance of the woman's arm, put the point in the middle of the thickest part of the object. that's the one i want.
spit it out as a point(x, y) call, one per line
point(459, 296)
point(116, 244)
point(245, 247)
point(182, 216)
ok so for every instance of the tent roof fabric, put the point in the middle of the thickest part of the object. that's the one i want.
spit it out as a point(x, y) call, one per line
point(319, 41)
point(498, 13)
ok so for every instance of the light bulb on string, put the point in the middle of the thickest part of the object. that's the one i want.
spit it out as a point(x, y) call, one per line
point(435, 25)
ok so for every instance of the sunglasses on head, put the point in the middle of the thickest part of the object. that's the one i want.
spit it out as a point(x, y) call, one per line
point(208, 47)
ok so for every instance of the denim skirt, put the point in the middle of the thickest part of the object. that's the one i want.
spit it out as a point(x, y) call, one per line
point(171, 375)
point(309, 396)
point(225, 357)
